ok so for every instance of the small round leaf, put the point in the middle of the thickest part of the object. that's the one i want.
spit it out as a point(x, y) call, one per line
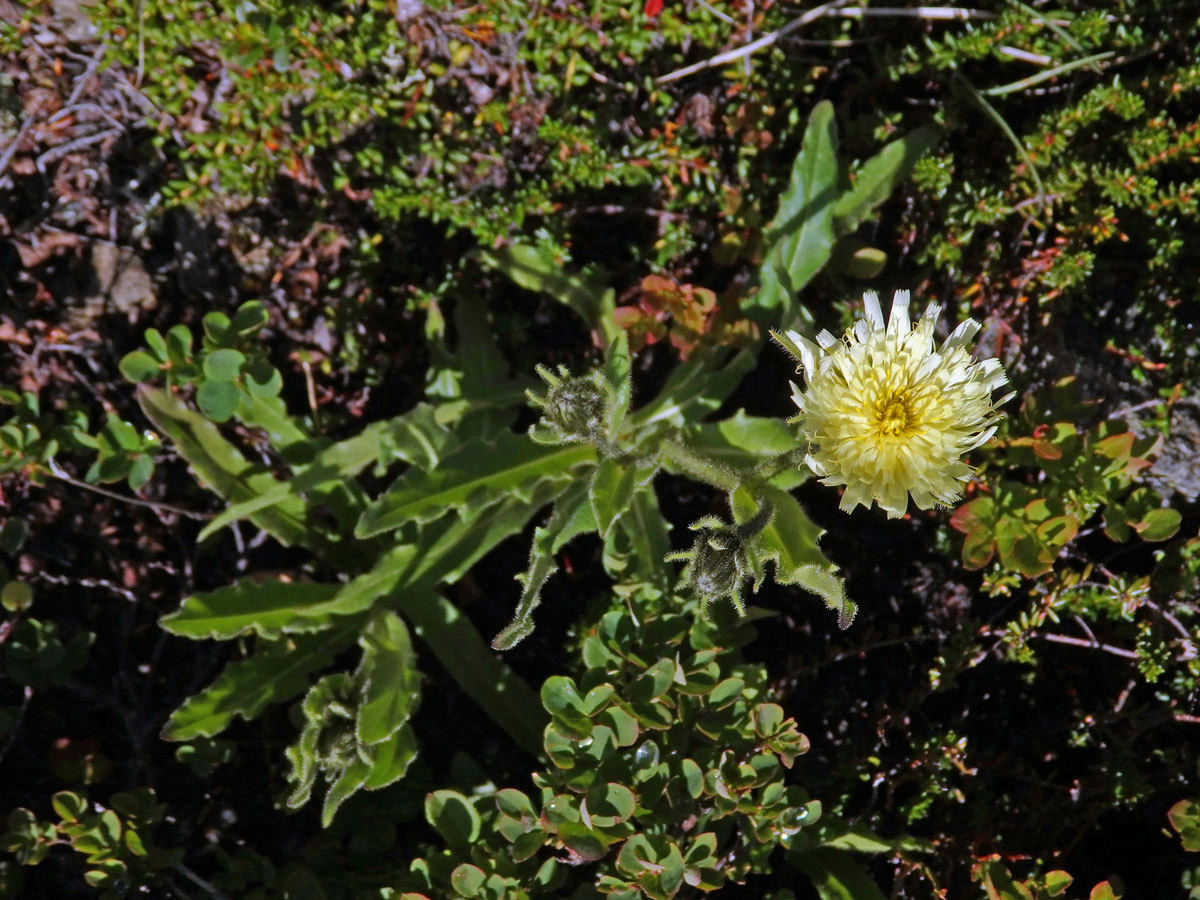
point(139, 366)
point(217, 400)
point(223, 365)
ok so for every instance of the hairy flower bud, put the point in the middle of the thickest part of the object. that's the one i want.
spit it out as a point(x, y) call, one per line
point(573, 410)
point(714, 571)
point(719, 559)
point(576, 408)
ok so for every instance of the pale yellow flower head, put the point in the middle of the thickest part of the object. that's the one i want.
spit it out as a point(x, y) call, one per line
point(887, 413)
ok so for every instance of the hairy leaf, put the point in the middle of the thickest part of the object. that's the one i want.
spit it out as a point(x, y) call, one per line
point(414, 437)
point(618, 377)
point(469, 480)
point(693, 390)
point(643, 536)
point(611, 492)
point(836, 874)
point(790, 540)
point(223, 469)
point(275, 672)
point(497, 689)
point(268, 608)
point(535, 270)
point(744, 442)
point(346, 785)
point(573, 515)
point(391, 684)
point(392, 759)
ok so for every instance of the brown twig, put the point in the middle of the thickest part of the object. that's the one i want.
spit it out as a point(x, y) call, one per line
point(754, 46)
point(1081, 642)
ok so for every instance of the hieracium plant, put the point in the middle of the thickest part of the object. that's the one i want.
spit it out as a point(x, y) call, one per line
point(886, 414)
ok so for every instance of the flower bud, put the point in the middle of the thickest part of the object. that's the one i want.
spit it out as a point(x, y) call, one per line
point(714, 571)
point(576, 409)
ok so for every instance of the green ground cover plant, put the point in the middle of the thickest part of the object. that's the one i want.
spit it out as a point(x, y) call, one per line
point(403, 496)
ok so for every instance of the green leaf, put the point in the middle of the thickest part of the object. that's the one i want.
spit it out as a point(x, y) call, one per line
point(122, 434)
point(607, 805)
point(262, 380)
point(413, 438)
point(216, 328)
point(156, 343)
point(286, 436)
point(108, 874)
point(860, 839)
point(618, 377)
point(726, 692)
point(250, 317)
point(582, 841)
point(791, 541)
point(653, 683)
point(12, 534)
point(800, 238)
point(391, 682)
point(269, 608)
point(527, 844)
point(467, 880)
point(536, 270)
point(881, 175)
point(477, 399)
point(345, 786)
point(495, 687)
point(141, 470)
point(645, 532)
point(693, 390)
point(70, 806)
point(443, 552)
point(16, 596)
point(1158, 525)
point(836, 875)
point(572, 515)
point(218, 400)
point(469, 480)
point(179, 345)
point(453, 816)
point(139, 366)
point(223, 365)
point(392, 759)
point(561, 699)
point(1184, 817)
point(1057, 881)
point(223, 469)
point(275, 672)
point(515, 804)
point(611, 492)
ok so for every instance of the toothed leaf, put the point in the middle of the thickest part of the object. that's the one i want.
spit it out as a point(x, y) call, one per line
point(572, 516)
point(469, 480)
point(277, 671)
point(790, 541)
point(268, 608)
point(391, 684)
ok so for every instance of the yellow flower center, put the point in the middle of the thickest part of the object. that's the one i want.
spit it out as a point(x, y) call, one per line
point(894, 418)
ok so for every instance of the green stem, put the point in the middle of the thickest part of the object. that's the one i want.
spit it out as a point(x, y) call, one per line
point(768, 469)
point(702, 467)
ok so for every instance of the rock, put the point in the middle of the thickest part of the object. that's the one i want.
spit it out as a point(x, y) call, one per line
point(121, 278)
point(1177, 469)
